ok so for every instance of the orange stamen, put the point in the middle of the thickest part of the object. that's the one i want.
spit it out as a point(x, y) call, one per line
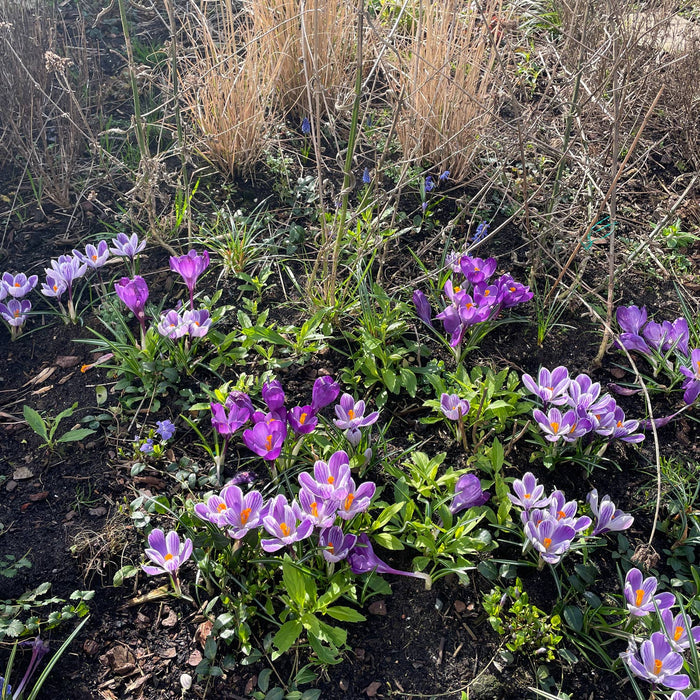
point(351, 414)
point(547, 542)
point(555, 426)
point(330, 548)
point(245, 515)
point(285, 529)
point(221, 506)
point(302, 418)
point(678, 633)
point(168, 556)
point(348, 501)
point(561, 514)
point(658, 664)
point(640, 597)
point(314, 509)
point(268, 442)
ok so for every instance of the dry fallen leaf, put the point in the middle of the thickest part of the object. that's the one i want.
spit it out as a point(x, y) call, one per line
point(42, 376)
point(203, 632)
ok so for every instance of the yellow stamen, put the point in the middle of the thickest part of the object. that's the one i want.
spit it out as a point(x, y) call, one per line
point(658, 665)
point(330, 548)
point(469, 305)
point(678, 633)
point(314, 509)
point(457, 289)
point(348, 501)
point(561, 514)
point(555, 426)
point(527, 495)
point(94, 258)
point(268, 442)
point(245, 514)
point(351, 414)
point(511, 289)
point(487, 292)
point(221, 506)
point(16, 314)
point(639, 598)
point(168, 556)
point(331, 479)
point(302, 418)
point(546, 542)
point(285, 529)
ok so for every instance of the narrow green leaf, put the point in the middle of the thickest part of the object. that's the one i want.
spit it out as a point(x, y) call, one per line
point(75, 435)
point(36, 422)
point(345, 614)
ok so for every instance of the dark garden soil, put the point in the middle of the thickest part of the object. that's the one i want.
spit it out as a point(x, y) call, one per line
point(68, 512)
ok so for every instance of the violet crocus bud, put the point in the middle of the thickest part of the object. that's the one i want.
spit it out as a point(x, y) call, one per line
point(423, 308)
point(134, 294)
point(228, 423)
point(190, 267)
point(273, 396)
point(325, 391)
point(608, 517)
point(691, 384)
point(468, 493)
point(551, 539)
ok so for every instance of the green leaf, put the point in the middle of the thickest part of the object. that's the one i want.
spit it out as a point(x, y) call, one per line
point(264, 679)
point(287, 635)
point(36, 422)
point(75, 435)
point(386, 515)
point(573, 617)
point(408, 379)
point(384, 539)
point(391, 381)
point(294, 582)
point(345, 614)
point(325, 654)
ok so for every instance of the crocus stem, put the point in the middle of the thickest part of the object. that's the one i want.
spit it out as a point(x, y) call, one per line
point(460, 426)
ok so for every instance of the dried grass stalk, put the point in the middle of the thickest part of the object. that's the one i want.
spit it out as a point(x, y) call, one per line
point(447, 82)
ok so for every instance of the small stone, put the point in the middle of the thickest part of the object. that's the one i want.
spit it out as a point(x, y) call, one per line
point(11, 485)
point(70, 515)
point(617, 372)
point(344, 685)
point(459, 606)
point(359, 654)
point(22, 473)
point(378, 607)
point(195, 658)
point(372, 688)
point(67, 361)
point(169, 653)
point(120, 660)
point(98, 512)
point(170, 619)
point(90, 646)
point(41, 496)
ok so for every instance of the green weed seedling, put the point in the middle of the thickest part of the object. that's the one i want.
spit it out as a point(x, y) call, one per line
point(46, 428)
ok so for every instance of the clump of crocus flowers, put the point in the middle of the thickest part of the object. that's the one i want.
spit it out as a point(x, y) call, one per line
point(15, 310)
point(472, 297)
point(551, 523)
point(575, 406)
point(661, 344)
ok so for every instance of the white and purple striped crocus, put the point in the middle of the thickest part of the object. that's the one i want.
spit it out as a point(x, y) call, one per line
point(283, 524)
point(334, 544)
point(14, 313)
point(550, 538)
point(640, 594)
point(528, 493)
point(657, 663)
point(551, 387)
point(679, 630)
point(233, 510)
point(320, 511)
point(608, 517)
point(453, 407)
point(18, 285)
point(351, 414)
point(166, 552)
point(94, 256)
point(555, 425)
point(356, 500)
point(564, 512)
point(691, 384)
point(331, 479)
point(127, 246)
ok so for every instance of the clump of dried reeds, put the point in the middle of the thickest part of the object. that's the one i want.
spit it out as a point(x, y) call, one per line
point(446, 83)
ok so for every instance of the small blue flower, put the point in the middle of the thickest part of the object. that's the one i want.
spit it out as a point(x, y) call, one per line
point(147, 447)
point(429, 184)
point(305, 126)
point(366, 177)
point(481, 230)
point(444, 176)
point(6, 686)
point(165, 429)
point(424, 206)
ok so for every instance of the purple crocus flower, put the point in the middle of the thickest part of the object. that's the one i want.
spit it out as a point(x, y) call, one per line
point(266, 438)
point(512, 293)
point(321, 512)
point(423, 308)
point(165, 429)
point(171, 325)
point(657, 663)
point(351, 414)
point(551, 386)
point(330, 480)
point(677, 695)
point(692, 374)
point(639, 594)
point(356, 500)
point(564, 512)
point(234, 510)
point(477, 270)
point(273, 396)
point(468, 493)
point(608, 517)
point(453, 407)
point(134, 294)
point(241, 400)
point(325, 391)
point(190, 267)
point(166, 552)
point(127, 246)
point(528, 493)
point(676, 335)
point(94, 256)
point(622, 429)
point(631, 318)
point(679, 630)
point(362, 560)
point(55, 285)
point(302, 420)
point(19, 285)
point(15, 312)
point(284, 526)
point(334, 544)
point(555, 425)
point(68, 269)
point(227, 424)
point(197, 322)
point(550, 538)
